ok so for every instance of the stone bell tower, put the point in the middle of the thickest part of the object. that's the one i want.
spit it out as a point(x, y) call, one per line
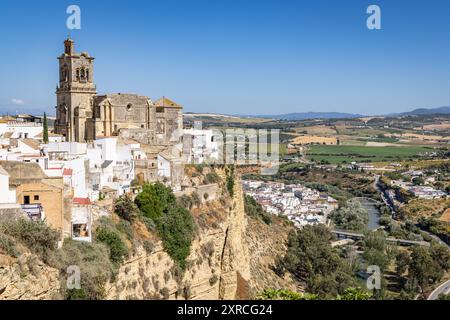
point(74, 95)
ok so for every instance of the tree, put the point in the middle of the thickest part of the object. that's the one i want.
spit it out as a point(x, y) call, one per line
point(441, 256)
point(280, 294)
point(311, 259)
point(443, 296)
point(351, 217)
point(45, 128)
point(418, 181)
point(154, 200)
point(176, 229)
point(422, 268)
point(125, 208)
point(402, 262)
point(229, 171)
point(112, 238)
point(174, 223)
point(375, 257)
point(354, 294)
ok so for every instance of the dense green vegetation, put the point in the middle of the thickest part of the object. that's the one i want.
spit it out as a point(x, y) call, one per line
point(280, 294)
point(176, 229)
point(95, 265)
point(174, 223)
point(93, 259)
point(45, 129)
point(312, 260)
point(353, 216)
point(348, 154)
point(423, 267)
point(439, 228)
point(114, 241)
point(38, 237)
point(155, 207)
point(154, 200)
point(126, 209)
point(229, 172)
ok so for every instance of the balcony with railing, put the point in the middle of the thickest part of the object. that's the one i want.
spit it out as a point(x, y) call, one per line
point(34, 211)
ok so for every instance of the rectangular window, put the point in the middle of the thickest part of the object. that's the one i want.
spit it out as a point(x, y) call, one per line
point(26, 199)
point(36, 198)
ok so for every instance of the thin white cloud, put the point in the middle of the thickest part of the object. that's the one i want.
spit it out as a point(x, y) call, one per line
point(17, 102)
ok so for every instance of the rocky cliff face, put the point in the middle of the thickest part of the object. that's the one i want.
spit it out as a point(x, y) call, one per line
point(219, 257)
point(27, 278)
point(231, 258)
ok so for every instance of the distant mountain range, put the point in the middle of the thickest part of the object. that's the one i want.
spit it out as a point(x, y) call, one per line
point(287, 116)
point(340, 115)
point(311, 115)
point(424, 111)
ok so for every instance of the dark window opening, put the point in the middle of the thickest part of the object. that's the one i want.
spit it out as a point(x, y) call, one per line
point(26, 199)
point(36, 197)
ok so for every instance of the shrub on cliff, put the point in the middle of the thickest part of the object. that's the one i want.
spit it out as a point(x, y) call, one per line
point(112, 239)
point(125, 208)
point(176, 229)
point(255, 210)
point(173, 222)
point(8, 246)
point(95, 266)
point(212, 177)
point(229, 172)
point(155, 200)
point(37, 236)
point(280, 294)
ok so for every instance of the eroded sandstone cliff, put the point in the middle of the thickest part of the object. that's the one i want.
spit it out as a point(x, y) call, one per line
point(232, 257)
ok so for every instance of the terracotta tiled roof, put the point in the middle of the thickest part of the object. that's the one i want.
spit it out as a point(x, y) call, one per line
point(67, 172)
point(82, 201)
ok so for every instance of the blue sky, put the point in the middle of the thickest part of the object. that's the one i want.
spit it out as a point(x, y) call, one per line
point(236, 57)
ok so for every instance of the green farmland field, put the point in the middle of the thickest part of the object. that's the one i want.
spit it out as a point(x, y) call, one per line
point(348, 154)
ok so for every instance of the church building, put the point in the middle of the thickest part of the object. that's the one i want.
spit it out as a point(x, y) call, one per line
point(82, 115)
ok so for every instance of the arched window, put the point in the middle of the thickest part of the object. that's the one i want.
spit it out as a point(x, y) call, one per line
point(87, 74)
point(62, 113)
point(82, 75)
point(78, 74)
point(64, 73)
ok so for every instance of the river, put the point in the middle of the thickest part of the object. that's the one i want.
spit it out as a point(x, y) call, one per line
point(374, 213)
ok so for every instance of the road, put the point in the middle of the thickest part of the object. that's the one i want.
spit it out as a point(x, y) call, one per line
point(358, 236)
point(442, 289)
point(435, 238)
point(387, 203)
